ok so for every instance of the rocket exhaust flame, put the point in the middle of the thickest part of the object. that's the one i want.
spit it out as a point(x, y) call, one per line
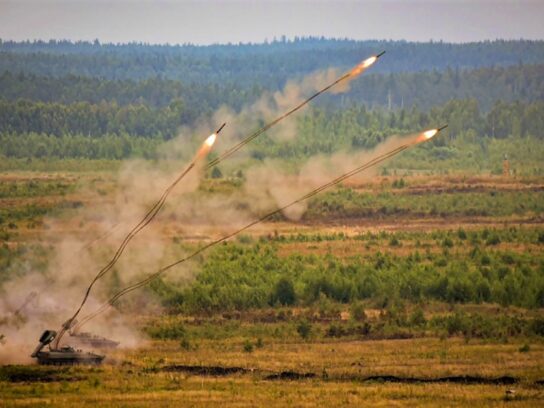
point(210, 140)
point(314, 192)
point(429, 134)
point(365, 64)
point(148, 217)
point(207, 145)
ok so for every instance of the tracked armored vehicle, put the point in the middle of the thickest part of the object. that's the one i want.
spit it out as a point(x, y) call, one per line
point(62, 356)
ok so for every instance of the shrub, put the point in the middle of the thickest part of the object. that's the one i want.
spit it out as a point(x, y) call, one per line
point(394, 242)
point(399, 183)
point(259, 343)
point(457, 323)
point(357, 312)
point(537, 326)
point(508, 259)
point(248, 347)
point(185, 344)
point(304, 329)
point(493, 239)
point(525, 348)
point(485, 260)
point(539, 298)
point(336, 330)
point(447, 242)
point(418, 318)
point(284, 292)
point(167, 332)
point(460, 291)
point(245, 239)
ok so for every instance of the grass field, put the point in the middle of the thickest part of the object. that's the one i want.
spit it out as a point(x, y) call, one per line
point(427, 372)
point(221, 338)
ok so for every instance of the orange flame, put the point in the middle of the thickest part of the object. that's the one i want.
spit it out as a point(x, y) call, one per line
point(363, 65)
point(424, 136)
point(430, 133)
point(207, 145)
point(210, 140)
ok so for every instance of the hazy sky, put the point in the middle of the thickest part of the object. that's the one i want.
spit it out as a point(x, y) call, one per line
point(207, 21)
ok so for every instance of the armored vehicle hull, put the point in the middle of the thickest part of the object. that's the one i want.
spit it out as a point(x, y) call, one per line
point(64, 355)
point(68, 356)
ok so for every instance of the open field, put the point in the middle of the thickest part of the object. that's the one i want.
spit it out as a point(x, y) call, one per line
point(427, 372)
point(406, 338)
point(383, 203)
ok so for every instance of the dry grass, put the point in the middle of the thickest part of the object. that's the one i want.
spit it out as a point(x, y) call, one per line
point(422, 358)
point(244, 392)
point(347, 248)
point(136, 378)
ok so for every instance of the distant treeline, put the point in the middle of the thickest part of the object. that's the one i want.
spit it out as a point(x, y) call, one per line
point(152, 92)
point(106, 130)
point(269, 63)
point(424, 89)
point(93, 120)
point(60, 99)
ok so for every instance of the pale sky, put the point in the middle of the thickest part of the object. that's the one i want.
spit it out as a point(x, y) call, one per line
point(216, 21)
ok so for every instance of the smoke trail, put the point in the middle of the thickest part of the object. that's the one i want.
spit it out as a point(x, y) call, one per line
point(420, 137)
point(148, 217)
point(100, 237)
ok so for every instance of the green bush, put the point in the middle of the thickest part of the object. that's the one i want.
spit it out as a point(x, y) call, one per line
point(417, 318)
point(304, 329)
point(493, 239)
point(357, 312)
point(259, 343)
point(185, 344)
point(394, 242)
point(284, 292)
point(167, 332)
point(537, 326)
point(447, 242)
point(525, 348)
point(248, 347)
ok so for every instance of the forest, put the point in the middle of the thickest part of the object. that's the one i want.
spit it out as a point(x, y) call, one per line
point(120, 101)
point(269, 62)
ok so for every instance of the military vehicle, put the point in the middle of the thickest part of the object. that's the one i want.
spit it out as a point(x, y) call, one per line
point(94, 341)
point(64, 355)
